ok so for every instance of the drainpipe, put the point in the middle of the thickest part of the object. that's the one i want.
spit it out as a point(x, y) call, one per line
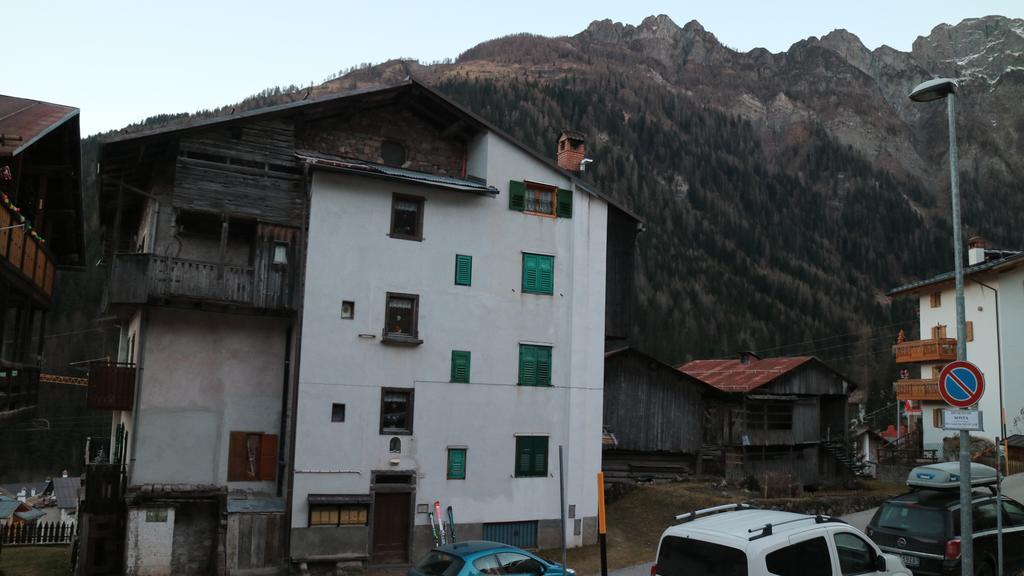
point(282, 449)
point(141, 347)
point(999, 362)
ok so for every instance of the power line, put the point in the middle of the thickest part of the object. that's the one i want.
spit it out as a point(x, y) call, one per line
point(833, 337)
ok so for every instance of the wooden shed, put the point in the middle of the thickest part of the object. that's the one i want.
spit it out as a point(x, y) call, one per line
point(782, 417)
point(664, 422)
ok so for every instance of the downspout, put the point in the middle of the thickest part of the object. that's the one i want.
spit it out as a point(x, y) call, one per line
point(286, 380)
point(141, 348)
point(999, 362)
point(300, 296)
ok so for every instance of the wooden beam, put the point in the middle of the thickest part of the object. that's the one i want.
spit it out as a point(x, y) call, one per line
point(126, 186)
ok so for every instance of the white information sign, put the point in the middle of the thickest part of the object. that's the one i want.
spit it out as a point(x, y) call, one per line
point(961, 420)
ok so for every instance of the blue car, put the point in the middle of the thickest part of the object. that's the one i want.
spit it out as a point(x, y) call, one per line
point(475, 557)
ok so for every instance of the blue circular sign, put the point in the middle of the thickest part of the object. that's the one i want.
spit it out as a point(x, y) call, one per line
point(961, 384)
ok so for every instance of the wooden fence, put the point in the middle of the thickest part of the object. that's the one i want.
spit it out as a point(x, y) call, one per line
point(39, 533)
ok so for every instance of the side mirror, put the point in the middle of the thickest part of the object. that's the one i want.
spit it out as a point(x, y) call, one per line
point(880, 563)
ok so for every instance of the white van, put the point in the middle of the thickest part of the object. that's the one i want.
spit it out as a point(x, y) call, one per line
point(738, 540)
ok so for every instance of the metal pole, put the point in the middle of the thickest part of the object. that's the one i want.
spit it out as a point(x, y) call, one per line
point(601, 524)
point(561, 494)
point(999, 515)
point(966, 528)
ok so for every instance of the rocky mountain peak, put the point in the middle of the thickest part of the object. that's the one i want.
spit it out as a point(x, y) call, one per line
point(848, 46)
point(982, 49)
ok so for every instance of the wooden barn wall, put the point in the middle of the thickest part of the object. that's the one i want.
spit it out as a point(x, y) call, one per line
point(619, 274)
point(805, 428)
point(245, 170)
point(801, 463)
point(650, 407)
point(360, 135)
point(811, 379)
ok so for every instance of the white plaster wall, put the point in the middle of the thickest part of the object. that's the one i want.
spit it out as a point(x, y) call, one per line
point(979, 306)
point(204, 375)
point(1011, 327)
point(148, 544)
point(350, 257)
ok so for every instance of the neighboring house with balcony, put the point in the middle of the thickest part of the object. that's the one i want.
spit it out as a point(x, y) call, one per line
point(994, 310)
point(339, 310)
point(40, 230)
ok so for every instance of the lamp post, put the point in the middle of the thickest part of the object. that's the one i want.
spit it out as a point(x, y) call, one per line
point(938, 89)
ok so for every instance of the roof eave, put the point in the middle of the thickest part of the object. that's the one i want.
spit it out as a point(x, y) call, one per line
point(318, 164)
point(39, 135)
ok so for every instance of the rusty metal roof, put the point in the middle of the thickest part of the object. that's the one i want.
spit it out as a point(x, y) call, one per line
point(24, 121)
point(736, 376)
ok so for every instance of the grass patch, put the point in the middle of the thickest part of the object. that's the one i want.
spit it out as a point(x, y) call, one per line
point(35, 561)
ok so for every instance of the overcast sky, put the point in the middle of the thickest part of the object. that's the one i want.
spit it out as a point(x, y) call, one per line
point(120, 62)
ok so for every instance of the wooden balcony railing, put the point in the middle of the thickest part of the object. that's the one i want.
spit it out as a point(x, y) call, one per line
point(137, 278)
point(918, 389)
point(935, 350)
point(111, 386)
point(24, 255)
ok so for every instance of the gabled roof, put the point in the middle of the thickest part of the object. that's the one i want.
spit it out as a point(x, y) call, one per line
point(66, 491)
point(8, 506)
point(23, 121)
point(372, 170)
point(736, 376)
point(1009, 261)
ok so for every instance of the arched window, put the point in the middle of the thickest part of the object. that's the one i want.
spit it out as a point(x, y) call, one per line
point(395, 445)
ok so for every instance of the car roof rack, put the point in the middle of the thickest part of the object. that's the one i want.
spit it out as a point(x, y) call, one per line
point(705, 512)
point(766, 530)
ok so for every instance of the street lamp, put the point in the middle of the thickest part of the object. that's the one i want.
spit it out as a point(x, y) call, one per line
point(938, 89)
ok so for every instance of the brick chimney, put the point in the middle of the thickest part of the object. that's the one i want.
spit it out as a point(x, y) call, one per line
point(975, 250)
point(571, 150)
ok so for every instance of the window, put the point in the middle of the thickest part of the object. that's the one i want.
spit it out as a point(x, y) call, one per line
point(1013, 514)
point(515, 563)
point(392, 153)
point(970, 331)
point(337, 514)
point(927, 522)
point(395, 445)
point(984, 517)
point(542, 199)
point(337, 412)
point(807, 557)
point(252, 456)
point(938, 331)
point(407, 217)
point(488, 564)
point(534, 365)
point(855, 555)
point(463, 270)
point(691, 556)
point(460, 366)
point(438, 563)
point(396, 411)
point(348, 309)
point(199, 223)
point(456, 463)
point(937, 417)
point(531, 456)
point(936, 299)
point(538, 273)
point(401, 317)
point(769, 415)
point(280, 253)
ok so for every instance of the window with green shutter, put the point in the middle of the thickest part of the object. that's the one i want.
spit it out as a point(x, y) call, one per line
point(531, 456)
point(539, 199)
point(534, 365)
point(460, 366)
point(463, 270)
point(538, 273)
point(456, 463)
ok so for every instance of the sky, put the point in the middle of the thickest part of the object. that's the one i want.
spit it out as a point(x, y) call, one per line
point(122, 61)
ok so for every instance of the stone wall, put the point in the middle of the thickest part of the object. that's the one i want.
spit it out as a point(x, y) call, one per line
point(360, 136)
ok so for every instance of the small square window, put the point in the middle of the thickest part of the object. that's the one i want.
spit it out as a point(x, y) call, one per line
point(396, 411)
point(463, 270)
point(534, 365)
point(401, 317)
point(348, 309)
point(280, 253)
point(538, 273)
point(156, 515)
point(337, 412)
point(407, 217)
point(531, 456)
point(456, 463)
point(460, 366)
point(541, 199)
point(337, 515)
point(936, 299)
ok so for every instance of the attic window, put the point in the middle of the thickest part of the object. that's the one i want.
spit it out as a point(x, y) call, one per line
point(392, 153)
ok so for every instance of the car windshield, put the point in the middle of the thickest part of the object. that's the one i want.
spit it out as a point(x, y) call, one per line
point(440, 564)
point(914, 521)
point(685, 556)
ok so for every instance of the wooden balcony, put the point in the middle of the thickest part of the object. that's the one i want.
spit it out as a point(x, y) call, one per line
point(19, 388)
point(918, 389)
point(111, 386)
point(24, 256)
point(935, 350)
point(141, 278)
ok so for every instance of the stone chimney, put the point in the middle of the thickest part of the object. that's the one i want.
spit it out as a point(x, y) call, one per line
point(571, 150)
point(975, 250)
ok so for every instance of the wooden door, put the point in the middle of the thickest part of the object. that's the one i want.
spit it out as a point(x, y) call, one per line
point(391, 528)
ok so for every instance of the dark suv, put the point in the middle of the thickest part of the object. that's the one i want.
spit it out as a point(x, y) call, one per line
point(923, 528)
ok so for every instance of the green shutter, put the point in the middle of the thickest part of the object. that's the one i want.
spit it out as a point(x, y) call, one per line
point(540, 456)
point(543, 356)
point(538, 273)
point(524, 456)
point(527, 365)
point(564, 203)
point(531, 456)
point(463, 270)
point(460, 366)
point(456, 463)
point(516, 195)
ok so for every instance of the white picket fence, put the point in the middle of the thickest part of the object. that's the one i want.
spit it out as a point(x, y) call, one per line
point(37, 534)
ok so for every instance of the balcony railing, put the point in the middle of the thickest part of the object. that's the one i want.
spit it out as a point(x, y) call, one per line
point(137, 278)
point(19, 388)
point(935, 350)
point(111, 386)
point(24, 254)
point(918, 389)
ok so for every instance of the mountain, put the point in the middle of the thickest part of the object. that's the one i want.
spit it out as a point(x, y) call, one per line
point(783, 193)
